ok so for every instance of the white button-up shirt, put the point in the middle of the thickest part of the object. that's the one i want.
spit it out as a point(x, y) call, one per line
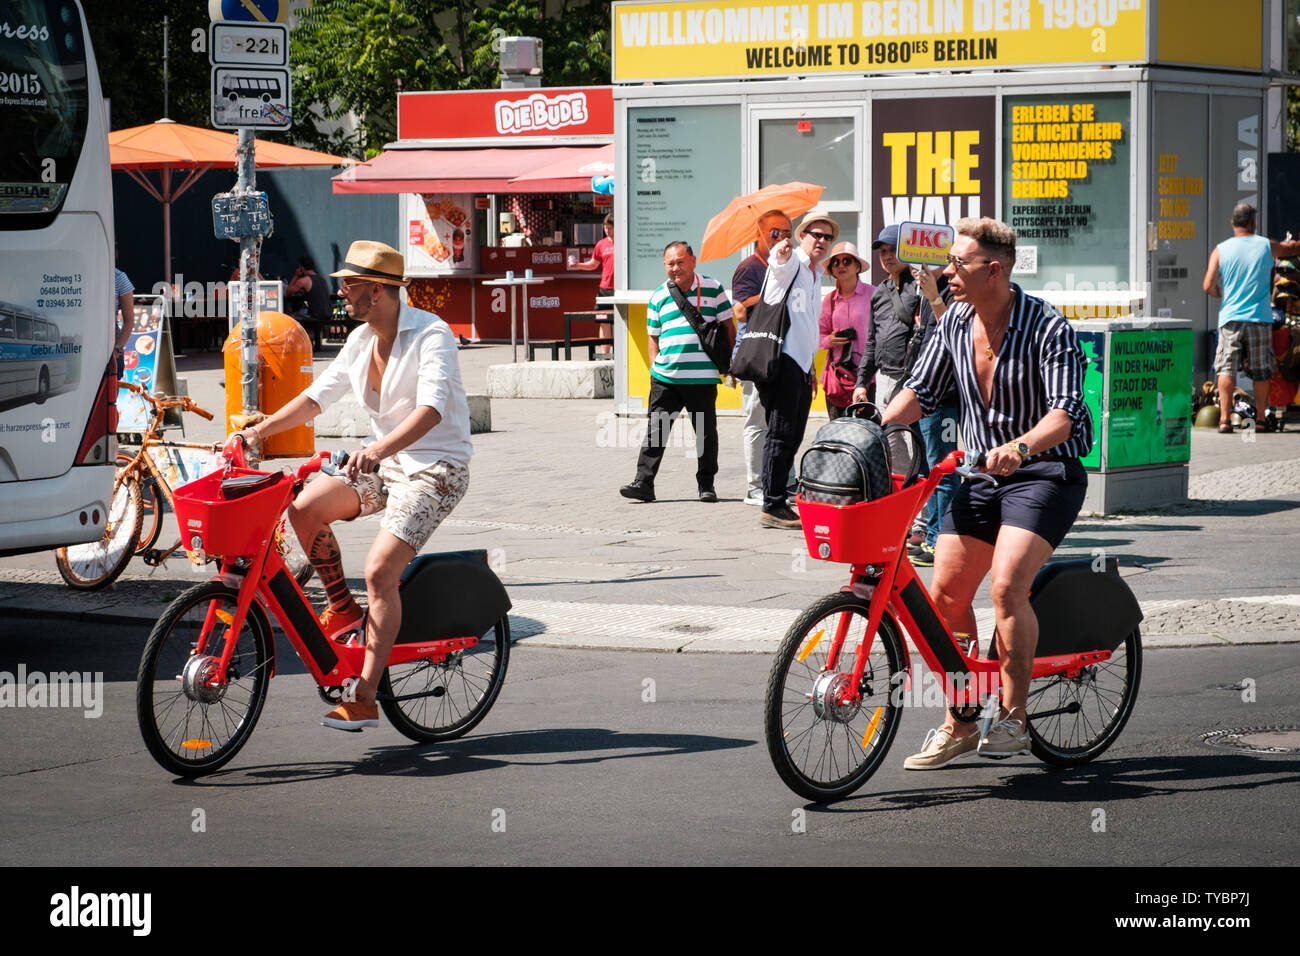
point(804, 304)
point(423, 369)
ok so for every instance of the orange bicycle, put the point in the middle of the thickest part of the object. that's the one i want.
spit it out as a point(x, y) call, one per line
point(142, 493)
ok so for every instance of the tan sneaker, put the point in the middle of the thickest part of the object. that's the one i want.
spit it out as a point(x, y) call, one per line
point(1006, 738)
point(352, 716)
point(940, 748)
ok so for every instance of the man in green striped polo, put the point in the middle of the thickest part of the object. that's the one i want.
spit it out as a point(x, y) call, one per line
point(681, 375)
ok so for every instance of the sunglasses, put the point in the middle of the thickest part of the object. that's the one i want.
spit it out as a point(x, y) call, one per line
point(842, 261)
point(823, 236)
point(960, 263)
point(776, 234)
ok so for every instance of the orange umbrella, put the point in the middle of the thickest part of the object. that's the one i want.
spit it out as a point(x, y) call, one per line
point(168, 146)
point(735, 227)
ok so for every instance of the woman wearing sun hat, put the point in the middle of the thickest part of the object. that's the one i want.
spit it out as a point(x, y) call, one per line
point(845, 319)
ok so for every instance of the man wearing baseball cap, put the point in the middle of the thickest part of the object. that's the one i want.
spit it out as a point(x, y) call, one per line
point(401, 365)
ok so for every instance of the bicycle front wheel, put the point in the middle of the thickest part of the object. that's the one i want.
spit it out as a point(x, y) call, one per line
point(194, 719)
point(1074, 719)
point(443, 700)
point(88, 567)
point(824, 749)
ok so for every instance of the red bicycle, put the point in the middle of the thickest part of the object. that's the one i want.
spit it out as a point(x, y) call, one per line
point(842, 674)
point(209, 660)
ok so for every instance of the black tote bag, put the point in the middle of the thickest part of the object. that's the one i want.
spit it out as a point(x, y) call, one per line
point(758, 359)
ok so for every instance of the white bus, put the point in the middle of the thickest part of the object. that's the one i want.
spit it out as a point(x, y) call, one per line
point(57, 302)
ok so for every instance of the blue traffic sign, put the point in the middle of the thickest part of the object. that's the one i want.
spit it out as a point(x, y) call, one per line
point(263, 11)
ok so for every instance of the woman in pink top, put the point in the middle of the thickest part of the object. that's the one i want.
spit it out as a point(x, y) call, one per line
point(846, 312)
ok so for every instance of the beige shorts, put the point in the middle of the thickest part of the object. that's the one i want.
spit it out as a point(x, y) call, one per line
point(1252, 341)
point(413, 505)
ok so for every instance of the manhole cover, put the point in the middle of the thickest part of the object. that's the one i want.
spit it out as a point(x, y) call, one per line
point(1257, 740)
point(689, 628)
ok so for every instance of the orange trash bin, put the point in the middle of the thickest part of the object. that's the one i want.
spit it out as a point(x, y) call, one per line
point(284, 355)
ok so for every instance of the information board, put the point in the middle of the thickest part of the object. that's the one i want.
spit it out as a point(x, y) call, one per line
point(1150, 397)
point(234, 216)
point(681, 172)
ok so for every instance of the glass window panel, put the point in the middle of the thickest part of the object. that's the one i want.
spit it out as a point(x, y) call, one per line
point(823, 155)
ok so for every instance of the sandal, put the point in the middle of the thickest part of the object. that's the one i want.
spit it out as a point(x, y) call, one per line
point(1225, 429)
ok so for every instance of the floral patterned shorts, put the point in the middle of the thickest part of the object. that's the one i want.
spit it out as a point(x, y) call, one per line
point(413, 505)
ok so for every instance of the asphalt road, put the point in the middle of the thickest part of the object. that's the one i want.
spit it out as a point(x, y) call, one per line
point(633, 758)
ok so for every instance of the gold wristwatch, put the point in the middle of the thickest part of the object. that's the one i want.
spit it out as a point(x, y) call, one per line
point(1020, 448)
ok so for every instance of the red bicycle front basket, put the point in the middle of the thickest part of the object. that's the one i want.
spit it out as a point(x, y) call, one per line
point(868, 533)
point(235, 527)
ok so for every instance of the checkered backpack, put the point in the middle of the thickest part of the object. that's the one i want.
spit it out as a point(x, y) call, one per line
point(849, 462)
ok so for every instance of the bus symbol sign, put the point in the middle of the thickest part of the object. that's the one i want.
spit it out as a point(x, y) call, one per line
point(248, 98)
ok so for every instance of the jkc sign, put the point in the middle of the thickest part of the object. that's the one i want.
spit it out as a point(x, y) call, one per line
point(505, 114)
point(924, 243)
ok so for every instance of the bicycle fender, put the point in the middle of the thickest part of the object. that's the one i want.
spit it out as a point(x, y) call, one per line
point(1082, 605)
point(451, 594)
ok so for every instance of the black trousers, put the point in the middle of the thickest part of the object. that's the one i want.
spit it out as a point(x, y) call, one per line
point(666, 401)
point(786, 400)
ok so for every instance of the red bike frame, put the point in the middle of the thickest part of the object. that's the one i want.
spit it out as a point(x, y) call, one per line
point(871, 537)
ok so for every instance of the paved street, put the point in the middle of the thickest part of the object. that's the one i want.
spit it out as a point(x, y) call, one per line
point(586, 769)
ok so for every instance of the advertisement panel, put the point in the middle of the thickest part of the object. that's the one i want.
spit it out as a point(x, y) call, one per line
point(1180, 212)
point(932, 160)
point(439, 238)
point(1066, 188)
point(1150, 397)
point(706, 39)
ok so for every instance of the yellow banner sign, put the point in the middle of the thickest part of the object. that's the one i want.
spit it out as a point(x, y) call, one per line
point(731, 38)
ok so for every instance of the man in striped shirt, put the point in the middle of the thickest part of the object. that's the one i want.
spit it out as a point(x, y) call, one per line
point(1018, 370)
point(681, 374)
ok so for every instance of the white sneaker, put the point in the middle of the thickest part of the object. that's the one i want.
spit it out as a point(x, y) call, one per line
point(939, 748)
point(1006, 738)
point(754, 498)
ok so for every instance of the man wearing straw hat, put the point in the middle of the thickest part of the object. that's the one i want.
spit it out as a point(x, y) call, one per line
point(401, 365)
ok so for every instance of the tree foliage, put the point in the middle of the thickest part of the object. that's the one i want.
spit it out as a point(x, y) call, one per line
point(352, 57)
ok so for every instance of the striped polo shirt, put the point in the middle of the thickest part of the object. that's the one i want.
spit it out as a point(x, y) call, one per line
point(1039, 367)
point(681, 360)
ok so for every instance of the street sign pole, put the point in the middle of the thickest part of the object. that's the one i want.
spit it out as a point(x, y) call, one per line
point(250, 250)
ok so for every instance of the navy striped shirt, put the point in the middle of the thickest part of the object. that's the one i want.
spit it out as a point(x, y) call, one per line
point(1039, 367)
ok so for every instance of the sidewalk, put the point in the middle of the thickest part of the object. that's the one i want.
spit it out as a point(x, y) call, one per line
point(587, 568)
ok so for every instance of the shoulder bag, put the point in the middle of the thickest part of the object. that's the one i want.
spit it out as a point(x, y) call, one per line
point(715, 337)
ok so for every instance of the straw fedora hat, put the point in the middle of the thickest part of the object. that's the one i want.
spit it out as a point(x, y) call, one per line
point(849, 249)
point(375, 261)
point(817, 215)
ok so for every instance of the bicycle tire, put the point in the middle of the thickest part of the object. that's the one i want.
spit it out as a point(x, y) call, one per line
point(1105, 694)
point(806, 740)
point(153, 509)
point(174, 721)
point(470, 681)
point(96, 564)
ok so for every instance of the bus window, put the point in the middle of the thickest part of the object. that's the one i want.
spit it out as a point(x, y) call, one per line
point(57, 446)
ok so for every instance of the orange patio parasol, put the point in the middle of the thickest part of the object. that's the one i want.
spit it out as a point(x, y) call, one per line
point(168, 146)
point(734, 227)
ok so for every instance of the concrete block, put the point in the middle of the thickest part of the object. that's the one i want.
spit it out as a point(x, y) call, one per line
point(347, 419)
point(551, 380)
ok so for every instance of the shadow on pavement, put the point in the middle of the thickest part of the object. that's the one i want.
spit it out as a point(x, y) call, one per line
point(1128, 779)
point(563, 746)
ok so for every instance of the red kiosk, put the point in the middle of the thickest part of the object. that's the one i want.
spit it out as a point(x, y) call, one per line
point(497, 182)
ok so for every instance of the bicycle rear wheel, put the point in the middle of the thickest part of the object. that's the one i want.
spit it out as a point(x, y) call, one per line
point(1074, 719)
point(822, 749)
point(190, 725)
point(445, 700)
point(88, 567)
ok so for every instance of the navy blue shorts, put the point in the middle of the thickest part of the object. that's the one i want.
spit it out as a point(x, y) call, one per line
point(1043, 497)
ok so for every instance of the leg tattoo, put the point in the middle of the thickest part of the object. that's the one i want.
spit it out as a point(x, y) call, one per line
point(326, 558)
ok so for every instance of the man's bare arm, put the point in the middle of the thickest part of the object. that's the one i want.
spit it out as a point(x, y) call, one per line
point(1211, 282)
